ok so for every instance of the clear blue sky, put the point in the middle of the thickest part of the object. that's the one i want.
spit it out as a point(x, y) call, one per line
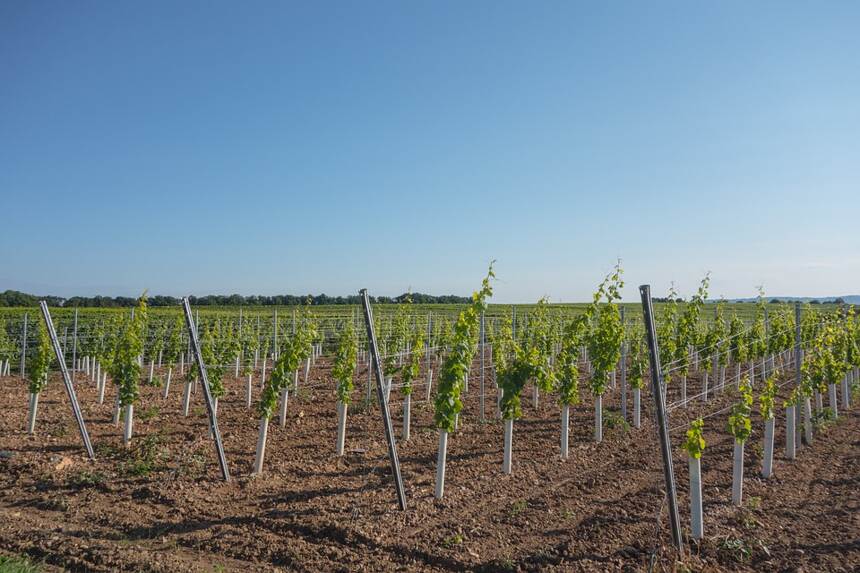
point(273, 147)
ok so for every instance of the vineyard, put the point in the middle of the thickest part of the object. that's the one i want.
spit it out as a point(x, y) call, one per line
point(681, 435)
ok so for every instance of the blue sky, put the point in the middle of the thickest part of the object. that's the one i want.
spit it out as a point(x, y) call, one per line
point(274, 147)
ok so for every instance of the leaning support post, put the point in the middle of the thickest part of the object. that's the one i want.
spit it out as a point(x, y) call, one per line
point(207, 394)
point(662, 427)
point(383, 403)
point(67, 380)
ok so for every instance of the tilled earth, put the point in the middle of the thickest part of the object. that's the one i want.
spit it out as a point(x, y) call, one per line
point(160, 505)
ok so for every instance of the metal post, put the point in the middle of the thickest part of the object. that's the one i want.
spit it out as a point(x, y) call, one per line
point(70, 389)
point(275, 331)
point(623, 370)
point(429, 345)
point(482, 365)
point(798, 362)
point(383, 403)
point(662, 426)
point(24, 348)
point(764, 372)
point(204, 379)
point(75, 344)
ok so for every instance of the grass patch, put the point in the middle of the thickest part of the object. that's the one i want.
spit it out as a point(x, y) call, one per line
point(359, 407)
point(18, 565)
point(60, 431)
point(86, 478)
point(193, 465)
point(735, 549)
point(148, 413)
point(612, 420)
point(518, 507)
point(823, 418)
point(146, 457)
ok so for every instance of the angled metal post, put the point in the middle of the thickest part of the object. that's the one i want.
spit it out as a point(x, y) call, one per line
point(207, 394)
point(660, 403)
point(383, 403)
point(67, 380)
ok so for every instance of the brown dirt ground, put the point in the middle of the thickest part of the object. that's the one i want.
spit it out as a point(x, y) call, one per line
point(160, 505)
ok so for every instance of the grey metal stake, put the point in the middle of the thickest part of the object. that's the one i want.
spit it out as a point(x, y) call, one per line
point(798, 362)
point(70, 389)
point(482, 365)
point(383, 403)
point(429, 345)
point(662, 427)
point(75, 344)
point(204, 379)
point(24, 348)
point(623, 371)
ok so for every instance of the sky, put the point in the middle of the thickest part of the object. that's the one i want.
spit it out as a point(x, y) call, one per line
point(284, 147)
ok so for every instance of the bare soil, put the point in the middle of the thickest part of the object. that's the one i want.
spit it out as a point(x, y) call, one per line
point(160, 505)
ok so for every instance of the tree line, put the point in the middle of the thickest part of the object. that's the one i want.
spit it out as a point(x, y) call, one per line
point(16, 298)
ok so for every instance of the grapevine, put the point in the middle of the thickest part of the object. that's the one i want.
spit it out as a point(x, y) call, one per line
point(459, 360)
point(173, 346)
point(540, 341)
point(567, 365)
point(667, 329)
point(638, 363)
point(688, 326)
point(695, 442)
point(294, 351)
point(766, 398)
point(740, 425)
point(124, 367)
point(40, 364)
point(412, 367)
point(345, 362)
point(604, 340)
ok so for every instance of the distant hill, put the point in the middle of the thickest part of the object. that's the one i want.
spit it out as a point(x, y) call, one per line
point(848, 299)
